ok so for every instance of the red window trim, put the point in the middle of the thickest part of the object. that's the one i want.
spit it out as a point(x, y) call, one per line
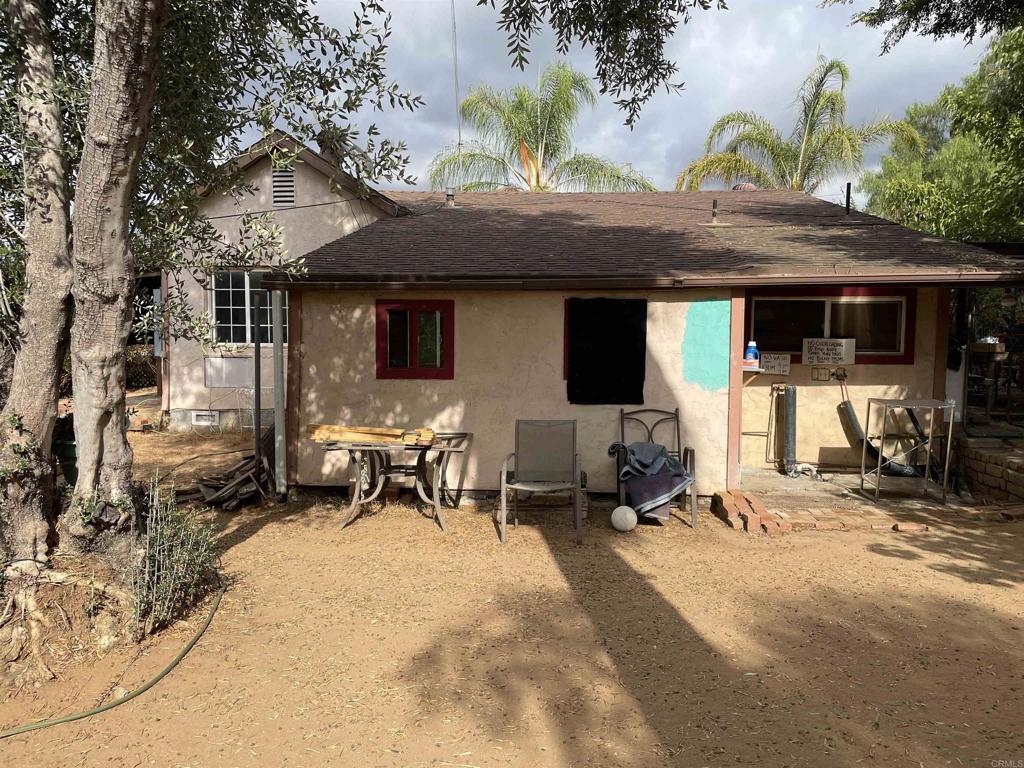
point(824, 291)
point(447, 309)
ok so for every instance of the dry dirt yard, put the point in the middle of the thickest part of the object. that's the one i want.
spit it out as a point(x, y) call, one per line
point(392, 644)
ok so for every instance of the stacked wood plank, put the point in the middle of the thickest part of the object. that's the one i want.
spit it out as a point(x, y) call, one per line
point(246, 483)
point(421, 436)
point(335, 433)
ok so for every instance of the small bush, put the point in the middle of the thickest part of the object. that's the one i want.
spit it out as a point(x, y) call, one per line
point(179, 565)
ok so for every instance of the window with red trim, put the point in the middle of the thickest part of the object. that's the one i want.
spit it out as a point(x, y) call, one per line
point(415, 339)
point(880, 319)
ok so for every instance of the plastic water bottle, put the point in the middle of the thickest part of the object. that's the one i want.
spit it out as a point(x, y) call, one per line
point(751, 357)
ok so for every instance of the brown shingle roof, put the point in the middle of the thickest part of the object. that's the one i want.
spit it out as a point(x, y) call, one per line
point(641, 238)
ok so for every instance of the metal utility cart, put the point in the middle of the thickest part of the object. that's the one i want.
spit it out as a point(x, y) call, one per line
point(921, 440)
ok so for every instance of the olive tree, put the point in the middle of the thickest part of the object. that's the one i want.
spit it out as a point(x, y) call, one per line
point(127, 109)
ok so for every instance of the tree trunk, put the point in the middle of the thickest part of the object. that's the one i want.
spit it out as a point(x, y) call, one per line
point(27, 420)
point(123, 83)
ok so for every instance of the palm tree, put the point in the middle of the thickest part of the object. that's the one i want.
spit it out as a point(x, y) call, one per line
point(525, 142)
point(820, 145)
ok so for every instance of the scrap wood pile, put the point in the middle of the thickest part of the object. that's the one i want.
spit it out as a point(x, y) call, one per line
point(244, 483)
point(332, 433)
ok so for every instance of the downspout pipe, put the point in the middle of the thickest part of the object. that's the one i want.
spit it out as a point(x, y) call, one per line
point(789, 433)
point(280, 467)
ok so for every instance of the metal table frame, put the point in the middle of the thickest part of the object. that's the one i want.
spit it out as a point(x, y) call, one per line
point(874, 476)
point(374, 468)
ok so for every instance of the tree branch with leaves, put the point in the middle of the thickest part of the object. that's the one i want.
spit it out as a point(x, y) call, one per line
point(629, 40)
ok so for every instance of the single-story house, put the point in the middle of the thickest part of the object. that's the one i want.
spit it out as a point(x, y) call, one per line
point(462, 314)
point(413, 312)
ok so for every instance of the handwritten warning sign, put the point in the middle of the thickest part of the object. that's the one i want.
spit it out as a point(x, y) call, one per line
point(829, 351)
point(775, 364)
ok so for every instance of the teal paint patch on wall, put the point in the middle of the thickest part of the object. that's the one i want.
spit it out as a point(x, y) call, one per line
point(706, 344)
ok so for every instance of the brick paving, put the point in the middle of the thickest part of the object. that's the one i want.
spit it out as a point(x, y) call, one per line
point(775, 514)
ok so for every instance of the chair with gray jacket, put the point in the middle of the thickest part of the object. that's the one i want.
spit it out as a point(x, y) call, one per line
point(656, 467)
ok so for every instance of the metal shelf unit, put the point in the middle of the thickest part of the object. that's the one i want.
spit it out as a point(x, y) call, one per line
point(935, 408)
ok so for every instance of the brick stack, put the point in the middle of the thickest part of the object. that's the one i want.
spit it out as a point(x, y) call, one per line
point(995, 468)
point(747, 512)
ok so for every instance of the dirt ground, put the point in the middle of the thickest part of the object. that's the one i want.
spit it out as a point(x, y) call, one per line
point(180, 457)
point(392, 644)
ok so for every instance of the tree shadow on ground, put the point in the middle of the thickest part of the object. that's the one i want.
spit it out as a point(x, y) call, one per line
point(233, 528)
point(978, 553)
point(612, 668)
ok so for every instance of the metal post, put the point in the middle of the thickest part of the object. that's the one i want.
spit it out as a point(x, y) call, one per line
point(256, 382)
point(949, 448)
point(849, 187)
point(864, 447)
point(280, 472)
point(928, 450)
point(881, 448)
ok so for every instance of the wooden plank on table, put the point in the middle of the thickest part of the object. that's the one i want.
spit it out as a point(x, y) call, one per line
point(323, 433)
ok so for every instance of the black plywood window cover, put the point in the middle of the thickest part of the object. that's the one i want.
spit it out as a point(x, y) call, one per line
point(607, 351)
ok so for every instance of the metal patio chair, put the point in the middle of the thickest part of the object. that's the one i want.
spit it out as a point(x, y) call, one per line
point(643, 424)
point(545, 461)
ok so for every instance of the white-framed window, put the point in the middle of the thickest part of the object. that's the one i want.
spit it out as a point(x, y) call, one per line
point(231, 305)
point(878, 323)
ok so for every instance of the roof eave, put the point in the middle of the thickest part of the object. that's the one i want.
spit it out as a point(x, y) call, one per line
point(424, 282)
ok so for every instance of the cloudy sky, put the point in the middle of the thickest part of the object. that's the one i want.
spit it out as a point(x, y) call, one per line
point(751, 57)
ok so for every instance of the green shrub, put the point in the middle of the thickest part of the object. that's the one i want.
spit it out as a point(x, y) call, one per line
point(179, 566)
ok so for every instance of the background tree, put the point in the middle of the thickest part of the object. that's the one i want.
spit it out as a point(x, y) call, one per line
point(953, 190)
point(743, 146)
point(990, 106)
point(628, 39)
point(939, 18)
point(526, 141)
point(968, 185)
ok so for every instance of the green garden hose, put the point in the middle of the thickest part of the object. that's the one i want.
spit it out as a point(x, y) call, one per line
point(129, 696)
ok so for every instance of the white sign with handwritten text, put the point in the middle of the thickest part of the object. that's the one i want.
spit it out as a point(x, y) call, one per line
point(774, 363)
point(829, 351)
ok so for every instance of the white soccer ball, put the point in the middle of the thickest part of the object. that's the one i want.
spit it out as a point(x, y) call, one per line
point(623, 519)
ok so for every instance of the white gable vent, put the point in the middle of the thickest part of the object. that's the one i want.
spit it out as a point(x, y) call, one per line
point(283, 186)
point(205, 419)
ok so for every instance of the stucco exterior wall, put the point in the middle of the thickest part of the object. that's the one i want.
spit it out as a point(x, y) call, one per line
point(320, 214)
point(509, 365)
point(819, 433)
